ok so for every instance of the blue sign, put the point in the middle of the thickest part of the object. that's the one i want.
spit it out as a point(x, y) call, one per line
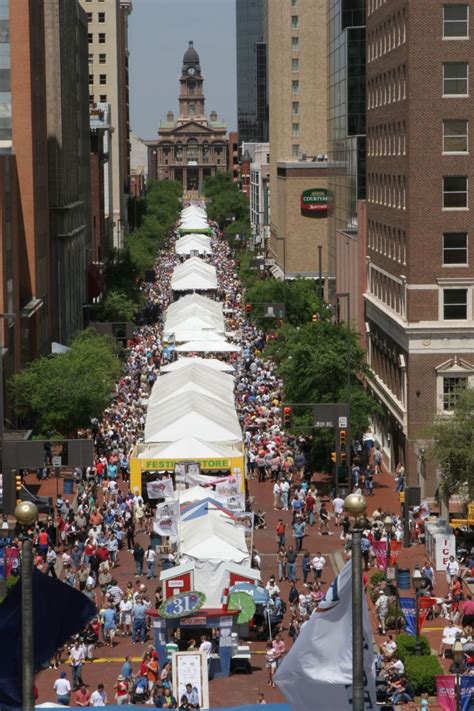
point(183, 604)
point(408, 606)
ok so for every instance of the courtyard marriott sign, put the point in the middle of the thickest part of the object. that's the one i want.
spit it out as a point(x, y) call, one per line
point(314, 200)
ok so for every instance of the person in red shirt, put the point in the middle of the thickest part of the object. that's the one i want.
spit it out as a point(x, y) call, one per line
point(468, 612)
point(82, 696)
point(310, 502)
point(43, 542)
point(102, 553)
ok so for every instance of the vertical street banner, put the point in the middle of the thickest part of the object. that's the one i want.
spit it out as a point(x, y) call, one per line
point(408, 606)
point(380, 551)
point(314, 669)
point(446, 692)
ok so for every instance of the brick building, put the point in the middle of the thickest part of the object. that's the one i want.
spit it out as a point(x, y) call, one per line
point(420, 271)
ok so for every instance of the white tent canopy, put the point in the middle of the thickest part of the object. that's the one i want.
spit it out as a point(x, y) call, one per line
point(192, 321)
point(192, 301)
point(190, 448)
point(194, 274)
point(200, 414)
point(193, 243)
point(193, 378)
point(213, 537)
point(212, 363)
point(216, 346)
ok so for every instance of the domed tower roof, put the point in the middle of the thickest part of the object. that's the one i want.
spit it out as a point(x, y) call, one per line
point(191, 56)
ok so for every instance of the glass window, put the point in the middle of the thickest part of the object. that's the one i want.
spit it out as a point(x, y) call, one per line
point(295, 44)
point(91, 78)
point(455, 248)
point(102, 78)
point(295, 108)
point(295, 150)
point(455, 79)
point(294, 3)
point(295, 129)
point(102, 58)
point(89, 17)
point(295, 65)
point(90, 37)
point(294, 22)
point(101, 16)
point(103, 98)
point(91, 58)
point(452, 388)
point(454, 192)
point(295, 87)
point(455, 304)
point(455, 136)
point(455, 21)
point(91, 98)
point(101, 37)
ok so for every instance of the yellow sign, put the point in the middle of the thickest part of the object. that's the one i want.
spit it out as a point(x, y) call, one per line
point(152, 464)
point(402, 497)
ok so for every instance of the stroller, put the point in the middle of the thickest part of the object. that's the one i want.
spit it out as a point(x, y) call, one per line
point(139, 693)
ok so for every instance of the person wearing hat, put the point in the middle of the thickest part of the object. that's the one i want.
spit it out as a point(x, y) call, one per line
point(62, 687)
point(121, 690)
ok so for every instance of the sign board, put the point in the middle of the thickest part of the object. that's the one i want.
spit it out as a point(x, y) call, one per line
point(196, 621)
point(314, 200)
point(56, 461)
point(391, 572)
point(182, 605)
point(276, 310)
point(191, 668)
point(342, 423)
point(169, 464)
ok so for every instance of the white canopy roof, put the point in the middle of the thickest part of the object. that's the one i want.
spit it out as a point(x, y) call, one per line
point(208, 347)
point(194, 274)
point(192, 301)
point(213, 537)
point(212, 363)
point(192, 321)
point(200, 415)
point(193, 378)
point(190, 448)
point(193, 243)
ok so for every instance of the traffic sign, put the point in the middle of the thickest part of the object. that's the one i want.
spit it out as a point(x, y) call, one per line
point(342, 422)
point(56, 461)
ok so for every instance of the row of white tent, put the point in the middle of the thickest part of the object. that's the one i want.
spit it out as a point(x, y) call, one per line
point(194, 218)
point(191, 243)
point(194, 275)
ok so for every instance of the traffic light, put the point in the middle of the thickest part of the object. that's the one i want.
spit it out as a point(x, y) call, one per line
point(334, 457)
point(248, 308)
point(287, 413)
point(314, 318)
point(342, 439)
point(18, 482)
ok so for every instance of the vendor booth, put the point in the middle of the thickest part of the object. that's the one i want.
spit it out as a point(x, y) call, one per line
point(194, 275)
point(212, 363)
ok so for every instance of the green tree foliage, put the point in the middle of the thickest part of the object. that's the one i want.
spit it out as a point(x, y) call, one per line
point(453, 446)
point(117, 307)
point(300, 296)
point(312, 360)
point(61, 393)
point(225, 199)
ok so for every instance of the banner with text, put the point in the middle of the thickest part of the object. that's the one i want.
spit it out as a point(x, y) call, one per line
point(160, 489)
point(380, 550)
point(408, 605)
point(446, 692)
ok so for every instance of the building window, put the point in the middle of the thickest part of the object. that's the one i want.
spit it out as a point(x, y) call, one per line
point(295, 65)
point(91, 98)
point(455, 136)
point(91, 58)
point(295, 150)
point(294, 3)
point(101, 16)
point(295, 87)
point(455, 79)
point(455, 21)
point(295, 44)
point(103, 98)
point(295, 108)
point(102, 79)
point(89, 17)
point(455, 248)
point(294, 22)
point(101, 37)
point(102, 58)
point(455, 304)
point(90, 37)
point(91, 78)
point(295, 130)
point(455, 192)
point(452, 388)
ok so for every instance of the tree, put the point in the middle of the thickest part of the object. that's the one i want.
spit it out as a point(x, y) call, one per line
point(313, 361)
point(225, 199)
point(117, 307)
point(300, 297)
point(453, 446)
point(61, 393)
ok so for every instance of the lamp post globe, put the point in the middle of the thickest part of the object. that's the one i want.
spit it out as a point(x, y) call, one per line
point(26, 513)
point(355, 504)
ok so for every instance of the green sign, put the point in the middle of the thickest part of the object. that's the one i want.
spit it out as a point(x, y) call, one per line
point(314, 200)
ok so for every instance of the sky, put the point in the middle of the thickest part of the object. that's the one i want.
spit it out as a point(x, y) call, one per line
point(159, 33)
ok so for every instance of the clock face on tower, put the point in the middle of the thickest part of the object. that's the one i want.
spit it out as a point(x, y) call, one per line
point(191, 71)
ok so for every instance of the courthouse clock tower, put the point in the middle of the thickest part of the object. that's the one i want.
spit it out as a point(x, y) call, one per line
point(191, 97)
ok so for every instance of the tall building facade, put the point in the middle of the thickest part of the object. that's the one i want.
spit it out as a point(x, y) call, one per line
point(67, 107)
point(193, 146)
point(297, 81)
point(346, 129)
point(108, 84)
point(252, 108)
point(420, 285)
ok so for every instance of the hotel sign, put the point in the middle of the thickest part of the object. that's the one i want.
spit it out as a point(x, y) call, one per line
point(314, 200)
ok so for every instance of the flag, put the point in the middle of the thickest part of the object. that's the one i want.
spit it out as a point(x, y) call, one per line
point(319, 664)
point(161, 488)
point(59, 612)
point(380, 551)
point(408, 606)
point(446, 692)
point(166, 519)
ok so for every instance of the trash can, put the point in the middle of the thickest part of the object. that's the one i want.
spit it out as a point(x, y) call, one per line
point(403, 578)
point(68, 486)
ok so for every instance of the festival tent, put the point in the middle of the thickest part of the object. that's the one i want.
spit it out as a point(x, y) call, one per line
point(215, 346)
point(194, 274)
point(200, 414)
point(193, 243)
point(194, 378)
point(191, 302)
point(198, 326)
point(212, 363)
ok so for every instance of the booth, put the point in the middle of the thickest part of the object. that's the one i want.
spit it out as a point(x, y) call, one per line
point(194, 275)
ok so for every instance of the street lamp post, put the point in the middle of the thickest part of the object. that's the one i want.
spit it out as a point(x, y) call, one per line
point(458, 659)
point(388, 525)
point(417, 582)
point(356, 505)
point(26, 514)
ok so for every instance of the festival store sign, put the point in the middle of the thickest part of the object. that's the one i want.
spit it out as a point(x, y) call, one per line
point(314, 200)
point(169, 464)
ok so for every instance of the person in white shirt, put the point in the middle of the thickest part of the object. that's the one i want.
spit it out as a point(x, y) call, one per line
point(150, 557)
point(317, 564)
point(338, 505)
point(205, 646)
point(272, 587)
point(99, 697)
point(62, 688)
point(452, 569)
point(276, 495)
point(77, 658)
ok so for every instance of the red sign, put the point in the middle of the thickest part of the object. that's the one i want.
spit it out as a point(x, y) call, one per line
point(188, 621)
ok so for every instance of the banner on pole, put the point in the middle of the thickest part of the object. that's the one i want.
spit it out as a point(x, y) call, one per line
point(408, 606)
point(160, 489)
point(380, 550)
point(166, 519)
point(446, 692)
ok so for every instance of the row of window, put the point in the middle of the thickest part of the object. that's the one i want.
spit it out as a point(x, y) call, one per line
point(101, 37)
point(102, 58)
point(373, 5)
point(102, 79)
point(388, 290)
point(387, 240)
point(387, 88)
point(387, 139)
point(388, 36)
point(387, 190)
point(100, 17)
point(102, 99)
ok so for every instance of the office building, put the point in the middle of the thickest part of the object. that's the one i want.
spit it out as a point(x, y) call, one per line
point(108, 84)
point(420, 283)
point(259, 193)
point(297, 90)
point(67, 105)
point(252, 109)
